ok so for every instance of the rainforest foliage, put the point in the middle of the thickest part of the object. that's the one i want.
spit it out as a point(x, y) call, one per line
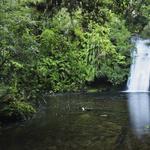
point(49, 46)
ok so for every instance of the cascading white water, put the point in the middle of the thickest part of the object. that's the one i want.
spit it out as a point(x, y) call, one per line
point(140, 68)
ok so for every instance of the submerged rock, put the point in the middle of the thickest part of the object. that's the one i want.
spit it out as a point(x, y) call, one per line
point(104, 116)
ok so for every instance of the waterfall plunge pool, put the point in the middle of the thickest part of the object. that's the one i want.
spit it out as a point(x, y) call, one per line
point(118, 121)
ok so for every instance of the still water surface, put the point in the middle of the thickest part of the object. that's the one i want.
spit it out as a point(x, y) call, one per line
point(118, 121)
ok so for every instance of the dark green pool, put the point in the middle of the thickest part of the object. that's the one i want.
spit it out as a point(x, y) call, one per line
point(118, 121)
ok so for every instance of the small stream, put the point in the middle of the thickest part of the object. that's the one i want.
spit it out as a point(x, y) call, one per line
point(118, 121)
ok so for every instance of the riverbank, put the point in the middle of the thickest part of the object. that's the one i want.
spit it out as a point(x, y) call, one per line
point(13, 121)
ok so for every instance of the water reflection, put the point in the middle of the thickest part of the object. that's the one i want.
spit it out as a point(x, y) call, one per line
point(139, 109)
point(62, 125)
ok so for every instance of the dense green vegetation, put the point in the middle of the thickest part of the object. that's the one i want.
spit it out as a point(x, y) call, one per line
point(58, 46)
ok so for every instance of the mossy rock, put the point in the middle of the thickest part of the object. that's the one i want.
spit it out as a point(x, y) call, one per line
point(15, 110)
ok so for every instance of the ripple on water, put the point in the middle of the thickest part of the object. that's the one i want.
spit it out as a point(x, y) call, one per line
point(73, 128)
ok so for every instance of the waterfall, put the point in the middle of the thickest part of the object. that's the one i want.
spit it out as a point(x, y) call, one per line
point(140, 68)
